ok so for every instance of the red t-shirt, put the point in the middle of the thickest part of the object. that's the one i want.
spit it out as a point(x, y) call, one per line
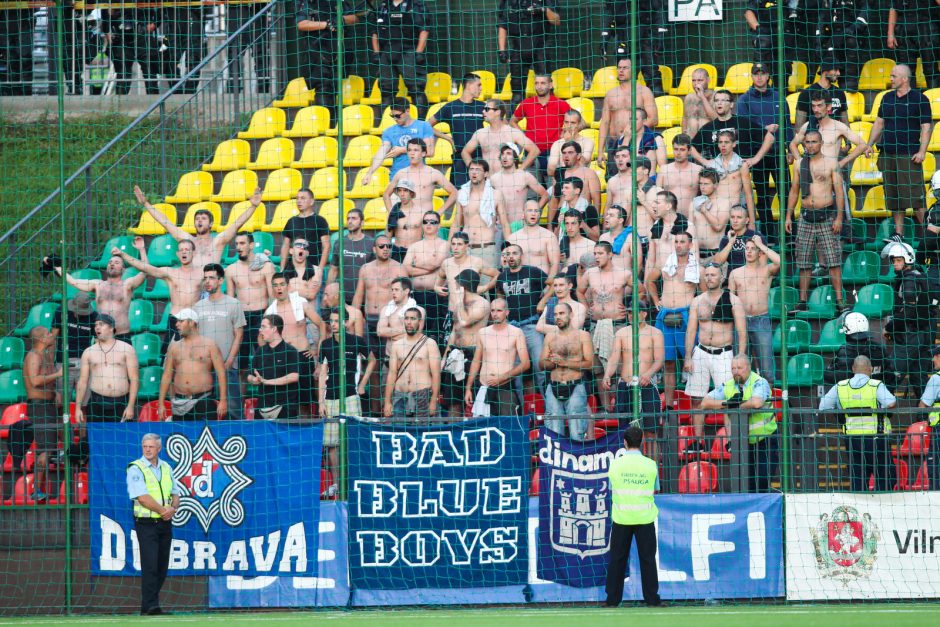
point(543, 123)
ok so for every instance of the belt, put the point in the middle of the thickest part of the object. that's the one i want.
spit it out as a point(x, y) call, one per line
point(483, 245)
point(715, 351)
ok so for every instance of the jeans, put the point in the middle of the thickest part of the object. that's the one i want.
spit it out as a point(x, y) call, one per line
point(579, 428)
point(235, 407)
point(760, 343)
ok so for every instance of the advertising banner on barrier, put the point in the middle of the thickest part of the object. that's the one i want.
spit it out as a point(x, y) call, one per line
point(863, 546)
point(248, 505)
point(438, 507)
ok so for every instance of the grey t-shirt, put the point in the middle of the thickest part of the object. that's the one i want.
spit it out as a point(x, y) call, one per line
point(218, 320)
point(355, 255)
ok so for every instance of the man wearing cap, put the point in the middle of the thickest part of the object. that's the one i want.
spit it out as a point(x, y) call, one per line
point(113, 295)
point(189, 366)
point(481, 214)
point(109, 368)
point(490, 139)
point(403, 219)
point(931, 398)
point(424, 181)
point(80, 318)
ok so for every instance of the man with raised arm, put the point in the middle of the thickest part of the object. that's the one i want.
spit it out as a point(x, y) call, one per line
point(471, 315)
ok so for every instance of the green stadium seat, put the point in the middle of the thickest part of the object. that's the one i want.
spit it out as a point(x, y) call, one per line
point(124, 242)
point(84, 273)
point(821, 304)
point(859, 229)
point(162, 325)
point(12, 352)
point(140, 315)
point(875, 301)
point(12, 387)
point(861, 268)
point(886, 230)
point(263, 241)
point(805, 370)
point(796, 333)
point(162, 252)
point(147, 346)
point(150, 383)
point(131, 273)
point(159, 291)
point(790, 297)
point(40, 315)
point(831, 337)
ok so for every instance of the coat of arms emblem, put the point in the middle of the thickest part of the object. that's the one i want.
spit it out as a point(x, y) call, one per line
point(846, 544)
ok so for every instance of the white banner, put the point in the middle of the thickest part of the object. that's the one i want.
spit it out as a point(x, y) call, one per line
point(863, 546)
point(695, 10)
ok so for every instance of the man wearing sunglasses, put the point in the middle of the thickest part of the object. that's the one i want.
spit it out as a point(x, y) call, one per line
point(422, 263)
point(396, 137)
point(490, 140)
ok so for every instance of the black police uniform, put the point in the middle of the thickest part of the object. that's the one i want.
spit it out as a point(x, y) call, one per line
point(764, 39)
point(840, 30)
point(524, 22)
point(910, 326)
point(318, 49)
point(16, 52)
point(131, 42)
point(398, 28)
point(918, 33)
point(256, 37)
point(929, 253)
point(652, 28)
point(856, 344)
point(185, 30)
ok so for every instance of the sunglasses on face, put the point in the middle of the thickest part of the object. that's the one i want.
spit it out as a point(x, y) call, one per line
point(431, 222)
point(396, 116)
point(383, 245)
point(490, 109)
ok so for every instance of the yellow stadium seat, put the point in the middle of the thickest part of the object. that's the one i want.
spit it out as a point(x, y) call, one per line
point(934, 145)
point(443, 154)
point(865, 171)
point(265, 123)
point(670, 111)
point(568, 82)
point(330, 212)
point(282, 184)
point(402, 90)
point(856, 105)
point(192, 187)
point(357, 120)
point(875, 75)
point(604, 80)
point(319, 152)
point(148, 226)
point(440, 191)
point(791, 106)
point(930, 166)
point(189, 222)
point(738, 78)
point(232, 154)
point(584, 106)
point(874, 204)
point(375, 217)
point(872, 114)
point(438, 87)
point(666, 73)
point(354, 90)
point(387, 121)
point(933, 95)
point(325, 183)
point(446, 222)
point(798, 80)
point(668, 135)
point(862, 128)
point(601, 174)
point(310, 122)
point(296, 95)
point(505, 94)
point(255, 222)
point(593, 134)
point(530, 84)
point(360, 150)
point(920, 81)
point(685, 81)
point(374, 97)
point(237, 186)
point(284, 211)
point(374, 189)
point(274, 153)
point(487, 84)
point(443, 127)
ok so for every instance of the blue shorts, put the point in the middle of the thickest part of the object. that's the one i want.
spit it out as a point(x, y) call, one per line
point(673, 337)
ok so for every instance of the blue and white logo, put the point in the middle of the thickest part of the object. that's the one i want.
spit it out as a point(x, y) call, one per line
point(580, 509)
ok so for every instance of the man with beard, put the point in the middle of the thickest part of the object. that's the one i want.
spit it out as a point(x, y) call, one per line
point(480, 212)
point(414, 373)
point(544, 113)
point(355, 247)
point(189, 366)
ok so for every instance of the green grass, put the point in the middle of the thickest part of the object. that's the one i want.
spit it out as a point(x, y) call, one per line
point(856, 615)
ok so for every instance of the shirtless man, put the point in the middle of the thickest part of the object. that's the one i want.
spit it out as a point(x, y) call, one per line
point(698, 108)
point(616, 116)
point(681, 176)
point(491, 139)
point(620, 191)
point(649, 143)
point(715, 316)
point(412, 391)
point(208, 248)
point(303, 277)
point(572, 197)
point(609, 287)
point(751, 283)
point(710, 214)
point(480, 212)
point(500, 356)
point(249, 280)
point(566, 354)
point(109, 368)
point(460, 259)
point(472, 314)
point(661, 233)
point(560, 293)
point(189, 366)
point(539, 245)
point(185, 281)
point(426, 181)
point(575, 244)
point(515, 184)
point(422, 263)
point(817, 180)
point(571, 129)
point(354, 322)
point(40, 376)
point(373, 290)
point(573, 167)
point(113, 295)
point(672, 319)
point(620, 239)
point(404, 220)
point(734, 174)
point(391, 325)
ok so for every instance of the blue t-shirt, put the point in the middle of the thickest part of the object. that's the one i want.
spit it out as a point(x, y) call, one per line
point(399, 136)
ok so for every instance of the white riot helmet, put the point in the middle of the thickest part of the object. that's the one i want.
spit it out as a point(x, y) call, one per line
point(854, 322)
point(935, 184)
point(899, 249)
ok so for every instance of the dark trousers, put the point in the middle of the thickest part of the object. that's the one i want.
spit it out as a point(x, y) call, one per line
point(763, 461)
point(318, 70)
point(871, 455)
point(154, 539)
point(911, 358)
point(414, 74)
point(933, 461)
point(649, 53)
point(523, 55)
point(185, 28)
point(920, 40)
point(760, 175)
point(129, 47)
point(106, 408)
point(844, 45)
point(621, 537)
point(254, 38)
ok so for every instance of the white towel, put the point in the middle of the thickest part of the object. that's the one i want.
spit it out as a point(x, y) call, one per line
point(691, 269)
point(487, 202)
point(733, 166)
point(297, 303)
point(390, 308)
point(481, 409)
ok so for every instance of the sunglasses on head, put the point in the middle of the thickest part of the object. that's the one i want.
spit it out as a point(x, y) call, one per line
point(711, 264)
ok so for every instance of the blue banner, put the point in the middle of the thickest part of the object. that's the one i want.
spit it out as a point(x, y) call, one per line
point(249, 504)
point(439, 506)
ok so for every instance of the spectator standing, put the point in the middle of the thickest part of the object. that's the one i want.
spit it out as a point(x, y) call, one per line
point(464, 116)
point(515, 184)
point(275, 369)
point(425, 181)
point(39, 376)
point(562, 288)
point(617, 112)
point(753, 141)
point(355, 247)
point(481, 214)
point(185, 28)
point(471, 314)
point(761, 18)
point(539, 245)
point(316, 21)
point(249, 280)
point(931, 398)
point(255, 38)
point(574, 199)
point(652, 29)
point(543, 114)
point(698, 107)
point(679, 177)
point(80, 318)
point(751, 283)
point(190, 365)
point(566, 354)
point(914, 31)
point(572, 167)
point(500, 134)
point(131, 36)
point(110, 371)
point(399, 40)
point(826, 85)
point(499, 358)
point(523, 286)
point(395, 139)
point(520, 32)
point(422, 263)
point(308, 225)
point(731, 248)
point(912, 325)
point(413, 384)
point(571, 129)
point(113, 295)
point(859, 341)
point(841, 33)
point(303, 278)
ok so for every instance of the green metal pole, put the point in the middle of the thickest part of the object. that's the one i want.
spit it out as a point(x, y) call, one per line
point(634, 239)
point(341, 180)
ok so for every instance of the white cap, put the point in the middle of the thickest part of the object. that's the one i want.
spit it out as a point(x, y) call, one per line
point(187, 314)
point(406, 184)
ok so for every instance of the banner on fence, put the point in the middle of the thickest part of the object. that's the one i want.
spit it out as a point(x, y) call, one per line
point(249, 505)
point(695, 10)
point(863, 546)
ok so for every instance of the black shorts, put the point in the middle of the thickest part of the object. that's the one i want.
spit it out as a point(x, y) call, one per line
point(204, 409)
point(650, 405)
point(46, 421)
point(106, 408)
point(375, 343)
point(452, 391)
point(250, 338)
point(307, 384)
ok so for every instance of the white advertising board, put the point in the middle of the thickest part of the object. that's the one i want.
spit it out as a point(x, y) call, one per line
point(695, 10)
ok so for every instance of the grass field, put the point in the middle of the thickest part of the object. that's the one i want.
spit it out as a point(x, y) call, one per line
point(857, 615)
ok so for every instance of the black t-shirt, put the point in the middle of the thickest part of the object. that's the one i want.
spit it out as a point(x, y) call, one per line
point(81, 332)
point(840, 103)
point(736, 257)
point(274, 363)
point(523, 291)
point(464, 119)
point(329, 352)
point(750, 137)
point(310, 228)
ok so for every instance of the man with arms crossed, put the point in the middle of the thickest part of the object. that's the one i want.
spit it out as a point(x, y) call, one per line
point(566, 354)
point(425, 181)
point(471, 315)
point(189, 366)
point(110, 370)
point(500, 357)
point(414, 372)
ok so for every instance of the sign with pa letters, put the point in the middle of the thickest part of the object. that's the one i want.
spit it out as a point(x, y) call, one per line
point(695, 10)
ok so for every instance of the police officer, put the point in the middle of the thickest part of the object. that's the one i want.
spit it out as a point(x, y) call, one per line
point(399, 39)
point(156, 496)
point(914, 31)
point(16, 52)
point(256, 38)
point(633, 479)
point(652, 28)
point(859, 341)
point(132, 37)
point(840, 31)
point(761, 17)
point(910, 325)
point(748, 390)
point(316, 20)
point(185, 31)
point(931, 398)
point(869, 451)
point(930, 248)
point(521, 39)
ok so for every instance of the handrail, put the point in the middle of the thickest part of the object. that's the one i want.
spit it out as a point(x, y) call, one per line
point(161, 101)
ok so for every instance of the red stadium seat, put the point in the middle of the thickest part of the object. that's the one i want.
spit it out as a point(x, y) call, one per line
point(592, 403)
point(27, 464)
point(22, 491)
point(720, 450)
point(682, 403)
point(904, 481)
point(600, 432)
point(533, 404)
point(13, 413)
point(922, 482)
point(80, 485)
point(148, 413)
point(698, 478)
point(607, 423)
point(534, 486)
point(714, 419)
point(533, 435)
point(249, 407)
point(917, 440)
point(686, 437)
point(776, 397)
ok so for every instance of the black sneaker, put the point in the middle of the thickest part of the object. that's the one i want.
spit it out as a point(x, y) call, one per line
point(798, 307)
point(842, 308)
